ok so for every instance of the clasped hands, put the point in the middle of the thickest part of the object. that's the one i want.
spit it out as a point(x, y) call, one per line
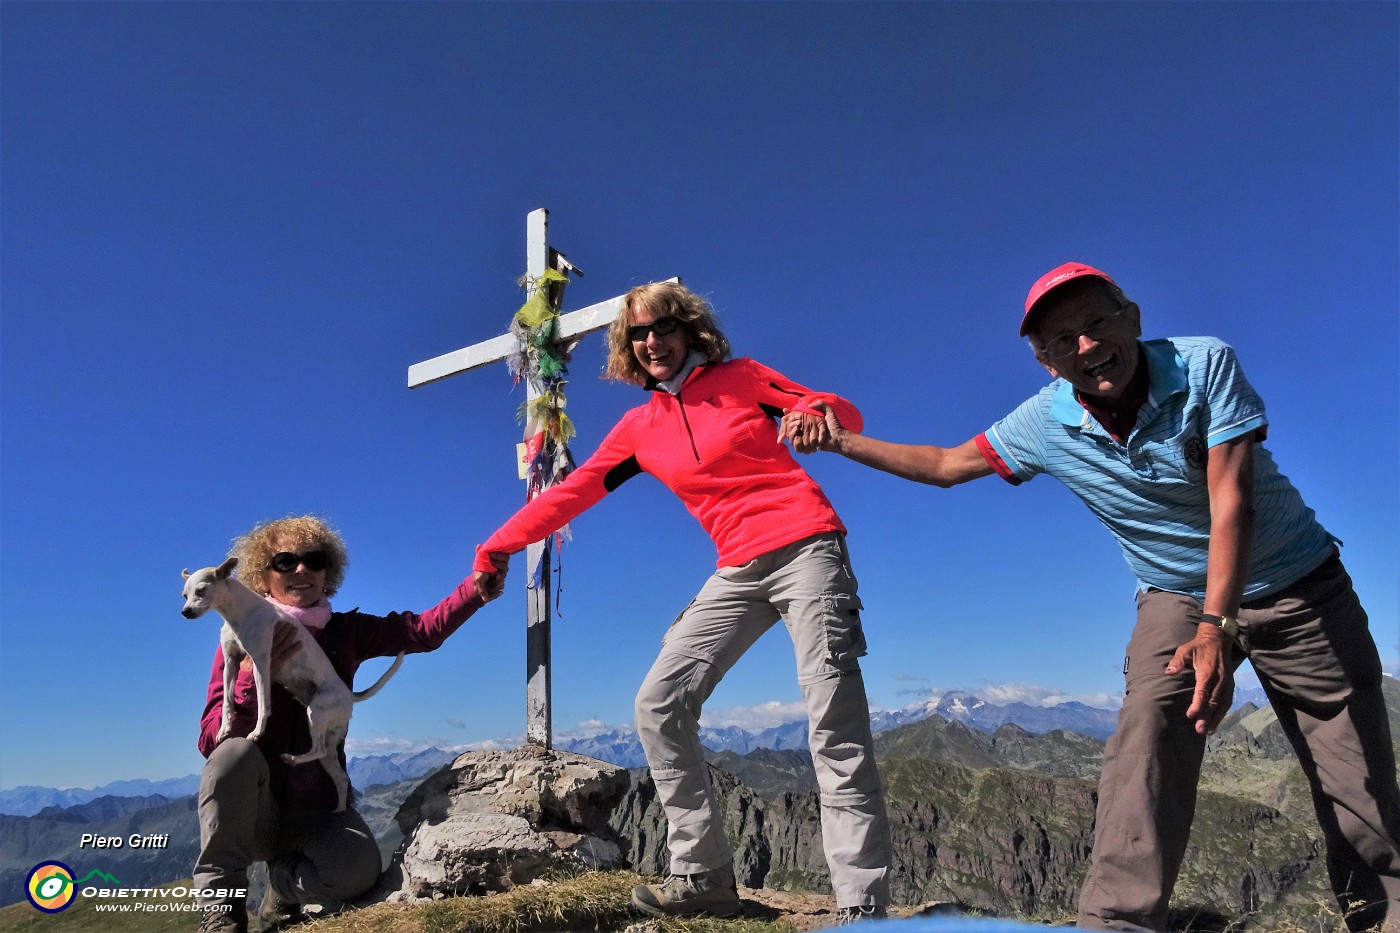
point(489, 585)
point(808, 433)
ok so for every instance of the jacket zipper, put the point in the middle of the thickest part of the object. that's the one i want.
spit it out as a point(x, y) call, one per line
point(688, 433)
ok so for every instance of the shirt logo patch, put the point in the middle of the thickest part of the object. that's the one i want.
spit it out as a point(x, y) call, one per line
point(1196, 452)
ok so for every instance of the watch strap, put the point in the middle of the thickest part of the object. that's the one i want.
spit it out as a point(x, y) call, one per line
point(1227, 624)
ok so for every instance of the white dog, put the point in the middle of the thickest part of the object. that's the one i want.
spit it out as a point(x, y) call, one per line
point(251, 625)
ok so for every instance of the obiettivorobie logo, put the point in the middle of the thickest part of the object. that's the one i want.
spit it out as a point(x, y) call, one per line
point(51, 887)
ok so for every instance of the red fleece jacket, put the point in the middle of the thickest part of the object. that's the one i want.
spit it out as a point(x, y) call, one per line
point(716, 446)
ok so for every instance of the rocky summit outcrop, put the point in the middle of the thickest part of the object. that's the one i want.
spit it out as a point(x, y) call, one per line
point(494, 820)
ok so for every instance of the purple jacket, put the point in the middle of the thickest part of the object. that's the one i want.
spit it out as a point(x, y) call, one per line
point(348, 639)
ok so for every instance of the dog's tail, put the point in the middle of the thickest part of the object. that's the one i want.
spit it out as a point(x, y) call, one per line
point(384, 679)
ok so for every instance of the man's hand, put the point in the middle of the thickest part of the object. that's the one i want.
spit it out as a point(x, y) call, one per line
point(490, 585)
point(1208, 654)
point(808, 433)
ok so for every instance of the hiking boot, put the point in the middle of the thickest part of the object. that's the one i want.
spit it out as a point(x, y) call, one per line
point(276, 913)
point(707, 892)
point(845, 916)
point(225, 918)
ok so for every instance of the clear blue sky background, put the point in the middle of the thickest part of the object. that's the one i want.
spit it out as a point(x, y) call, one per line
point(228, 229)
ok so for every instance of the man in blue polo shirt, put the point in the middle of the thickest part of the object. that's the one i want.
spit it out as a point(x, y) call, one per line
point(1162, 440)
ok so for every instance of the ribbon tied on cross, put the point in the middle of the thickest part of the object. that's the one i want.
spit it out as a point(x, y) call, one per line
point(543, 361)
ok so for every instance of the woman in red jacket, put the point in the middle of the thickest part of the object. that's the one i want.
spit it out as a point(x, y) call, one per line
point(252, 806)
point(709, 433)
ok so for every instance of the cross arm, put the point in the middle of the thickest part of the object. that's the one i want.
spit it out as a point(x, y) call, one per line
point(573, 325)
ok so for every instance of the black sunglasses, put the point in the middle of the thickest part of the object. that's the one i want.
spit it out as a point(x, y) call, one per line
point(286, 561)
point(660, 327)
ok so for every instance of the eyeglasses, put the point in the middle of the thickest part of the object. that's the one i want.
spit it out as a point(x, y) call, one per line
point(286, 561)
point(1066, 345)
point(660, 327)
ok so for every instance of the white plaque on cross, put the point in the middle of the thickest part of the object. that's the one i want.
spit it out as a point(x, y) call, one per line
point(569, 327)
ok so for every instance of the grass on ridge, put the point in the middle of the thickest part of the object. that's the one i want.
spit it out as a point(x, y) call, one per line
point(589, 901)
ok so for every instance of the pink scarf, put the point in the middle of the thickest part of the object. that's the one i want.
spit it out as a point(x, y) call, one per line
point(312, 618)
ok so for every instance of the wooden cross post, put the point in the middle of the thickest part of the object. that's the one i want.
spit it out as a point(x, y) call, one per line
point(569, 327)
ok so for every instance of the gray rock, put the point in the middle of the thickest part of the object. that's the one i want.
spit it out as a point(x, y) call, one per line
point(494, 820)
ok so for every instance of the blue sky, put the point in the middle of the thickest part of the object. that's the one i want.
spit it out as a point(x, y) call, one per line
point(228, 230)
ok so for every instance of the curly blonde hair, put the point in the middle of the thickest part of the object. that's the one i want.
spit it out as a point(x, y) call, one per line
point(299, 533)
point(662, 299)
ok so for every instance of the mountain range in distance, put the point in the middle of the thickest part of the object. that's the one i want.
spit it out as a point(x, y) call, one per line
point(958, 795)
point(622, 747)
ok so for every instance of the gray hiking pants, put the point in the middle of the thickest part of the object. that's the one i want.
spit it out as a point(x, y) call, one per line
point(1312, 649)
point(810, 586)
point(318, 857)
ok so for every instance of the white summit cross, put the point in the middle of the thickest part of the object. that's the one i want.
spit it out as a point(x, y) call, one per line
point(569, 328)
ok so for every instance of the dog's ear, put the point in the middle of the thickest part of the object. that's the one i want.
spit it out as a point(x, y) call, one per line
point(185, 574)
point(226, 568)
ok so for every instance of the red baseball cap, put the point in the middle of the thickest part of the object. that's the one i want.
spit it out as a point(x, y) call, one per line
point(1054, 279)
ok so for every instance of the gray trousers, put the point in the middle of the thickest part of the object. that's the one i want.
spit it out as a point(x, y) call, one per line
point(1312, 649)
point(810, 586)
point(316, 857)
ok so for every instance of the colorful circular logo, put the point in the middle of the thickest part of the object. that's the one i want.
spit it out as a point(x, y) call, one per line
point(50, 887)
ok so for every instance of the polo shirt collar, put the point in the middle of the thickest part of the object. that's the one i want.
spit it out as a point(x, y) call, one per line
point(1166, 375)
point(1166, 371)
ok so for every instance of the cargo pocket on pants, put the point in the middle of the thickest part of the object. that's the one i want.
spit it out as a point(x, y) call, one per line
point(666, 635)
point(845, 637)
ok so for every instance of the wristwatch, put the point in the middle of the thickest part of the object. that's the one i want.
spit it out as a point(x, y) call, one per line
point(1228, 624)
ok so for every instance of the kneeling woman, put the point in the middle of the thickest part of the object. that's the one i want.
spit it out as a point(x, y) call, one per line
point(709, 433)
point(252, 806)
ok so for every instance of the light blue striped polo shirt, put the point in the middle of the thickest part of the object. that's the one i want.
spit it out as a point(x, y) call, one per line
point(1151, 491)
